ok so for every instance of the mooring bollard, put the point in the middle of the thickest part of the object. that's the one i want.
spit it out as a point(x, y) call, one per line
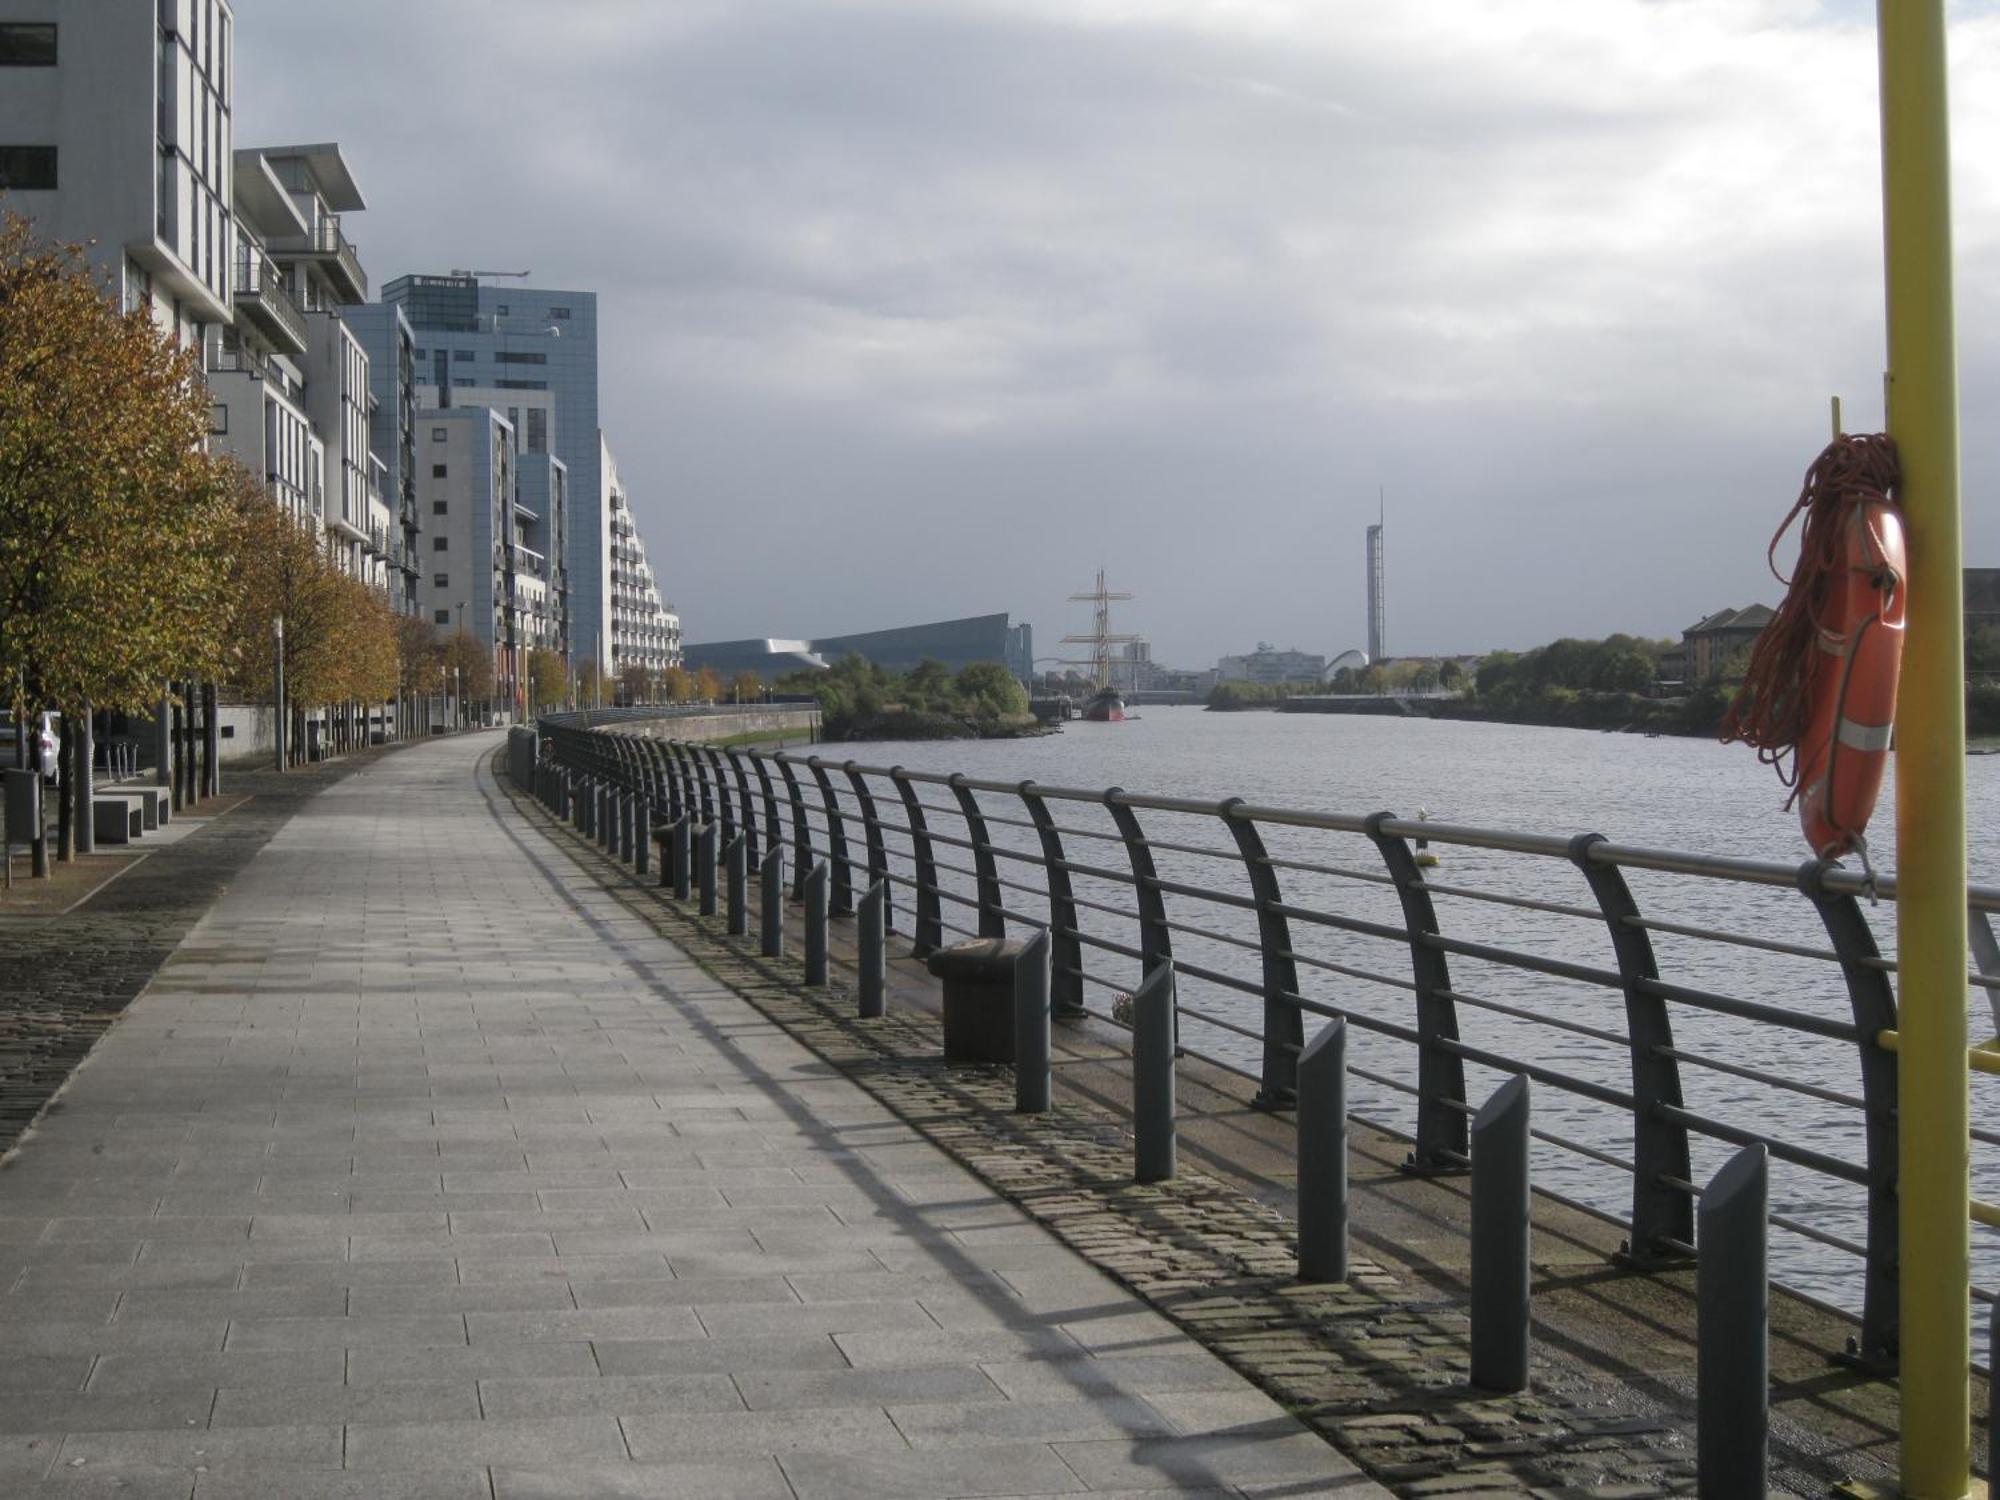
point(737, 857)
point(683, 856)
point(772, 876)
point(1322, 1155)
point(1500, 1239)
point(1153, 1076)
point(1732, 1341)
point(816, 923)
point(872, 947)
point(1032, 1083)
point(642, 843)
point(706, 856)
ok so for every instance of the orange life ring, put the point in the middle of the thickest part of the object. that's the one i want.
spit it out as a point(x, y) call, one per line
point(1845, 748)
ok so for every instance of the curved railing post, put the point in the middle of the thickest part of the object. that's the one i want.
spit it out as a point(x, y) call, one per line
point(749, 818)
point(802, 846)
point(1661, 1212)
point(841, 904)
point(722, 800)
point(774, 833)
point(661, 793)
point(1284, 1024)
point(1065, 950)
point(929, 935)
point(1441, 1138)
point(1156, 942)
point(698, 780)
point(992, 916)
point(1872, 999)
point(878, 854)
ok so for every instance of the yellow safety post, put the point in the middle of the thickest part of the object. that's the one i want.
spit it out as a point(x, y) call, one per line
point(1934, 1185)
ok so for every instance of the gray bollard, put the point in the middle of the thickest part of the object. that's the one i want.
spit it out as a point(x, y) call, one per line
point(706, 856)
point(1733, 1347)
point(1500, 1239)
point(581, 809)
point(683, 855)
point(1322, 1155)
point(873, 948)
point(1032, 1083)
point(772, 876)
point(642, 841)
point(816, 923)
point(1153, 1015)
point(738, 857)
point(628, 820)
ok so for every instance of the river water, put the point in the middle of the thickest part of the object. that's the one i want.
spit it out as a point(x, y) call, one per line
point(1684, 794)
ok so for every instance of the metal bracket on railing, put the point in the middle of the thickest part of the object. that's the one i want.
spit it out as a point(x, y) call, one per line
point(1872, 1000)
point(992, 916)
point(1441, 1126)
point(1284, 1023)
point(930, 919)
point(1066, 956)
point(878, 856)
point(1662, 1214)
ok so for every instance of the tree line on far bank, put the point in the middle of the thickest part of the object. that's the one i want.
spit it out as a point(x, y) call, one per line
point(860, 700)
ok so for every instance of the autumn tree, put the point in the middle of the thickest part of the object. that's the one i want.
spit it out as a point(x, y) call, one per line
point(676, 686)
point(548, 678)
point(635, 684)
point(468, 666)
point(707, 685)
point(746, 687)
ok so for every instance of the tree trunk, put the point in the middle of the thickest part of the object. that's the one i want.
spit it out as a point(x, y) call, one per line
point(31, 723)
point(179, 754)
point(211, 741)
point(86, 769)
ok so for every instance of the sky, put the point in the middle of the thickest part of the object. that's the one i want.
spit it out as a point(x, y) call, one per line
point(913, 309)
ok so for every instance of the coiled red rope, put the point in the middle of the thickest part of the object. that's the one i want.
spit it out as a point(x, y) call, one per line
point(1774, 706)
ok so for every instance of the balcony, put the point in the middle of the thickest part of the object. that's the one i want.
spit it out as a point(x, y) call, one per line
point(329, 248)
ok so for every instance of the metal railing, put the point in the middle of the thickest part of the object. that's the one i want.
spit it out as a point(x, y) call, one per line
point(1739, 1002)
point(259, 288)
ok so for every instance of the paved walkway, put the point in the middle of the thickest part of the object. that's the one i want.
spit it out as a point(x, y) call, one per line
point(423, 1171)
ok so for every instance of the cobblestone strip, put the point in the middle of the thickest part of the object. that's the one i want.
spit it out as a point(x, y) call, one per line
point(64, 978)
point(1374, 1365)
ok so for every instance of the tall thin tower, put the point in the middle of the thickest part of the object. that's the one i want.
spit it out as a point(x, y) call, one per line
point(1378, 616)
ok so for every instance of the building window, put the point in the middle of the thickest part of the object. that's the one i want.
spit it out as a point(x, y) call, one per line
point(538, 430)
point(28, 44)
point(437, 471)
point(28, 167)
point(437, 544)
point(464, 382)
point(520, 385)
point(509, 357)
point(438, 434)
point(461, 355)
point(439, 508)
point(442, 616)
point(559, 312)
point(501, 310)
point(441, 580)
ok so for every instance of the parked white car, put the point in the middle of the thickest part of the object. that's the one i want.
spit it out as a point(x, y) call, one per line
point(51, 728)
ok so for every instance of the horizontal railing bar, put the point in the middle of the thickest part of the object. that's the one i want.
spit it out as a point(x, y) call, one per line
point(1798, 1156)
point(1759, 1075)
point(1732, 939)
point(1568, 1083)
point(1526, 903)
point(1540, 1018)
point(1749, 1010)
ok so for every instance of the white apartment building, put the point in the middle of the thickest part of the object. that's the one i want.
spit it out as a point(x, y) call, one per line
point(637, 628)
point(115, 128)
point(1268, 664)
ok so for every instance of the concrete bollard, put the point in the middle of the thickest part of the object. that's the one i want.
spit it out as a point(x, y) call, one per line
point(580, 811)
point(872, 945)
point(1733, 1346)
point(706, 856)
point(1032, 1047)
point(816, 923)
point(1322, 1155)
point(771, 875)
point(1153, 1015)
point(1500, 1268)
point(642, 842)
point(738, 857)
point(628, 818)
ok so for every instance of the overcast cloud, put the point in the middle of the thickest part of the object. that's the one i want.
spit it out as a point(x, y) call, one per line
point(916, 308)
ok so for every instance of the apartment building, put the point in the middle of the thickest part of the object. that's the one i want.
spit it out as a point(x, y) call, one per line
point(390, 344)
point(115, 128)
point(540, 545)
point(638, 628)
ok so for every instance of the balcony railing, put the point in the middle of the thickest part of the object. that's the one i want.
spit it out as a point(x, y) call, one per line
point(327, 245)
point(260, 294)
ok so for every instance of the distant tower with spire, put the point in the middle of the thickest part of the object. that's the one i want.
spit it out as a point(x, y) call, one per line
point(1378, 631)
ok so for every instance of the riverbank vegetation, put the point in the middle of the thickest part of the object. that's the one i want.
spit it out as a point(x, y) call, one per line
point(860, 701)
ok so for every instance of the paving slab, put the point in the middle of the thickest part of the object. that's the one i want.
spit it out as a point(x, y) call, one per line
point(421, 1168)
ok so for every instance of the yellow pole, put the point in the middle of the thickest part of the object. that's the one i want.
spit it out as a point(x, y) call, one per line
point(1930, 758)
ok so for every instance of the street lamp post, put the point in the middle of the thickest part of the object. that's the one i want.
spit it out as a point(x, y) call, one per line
point(278, 683)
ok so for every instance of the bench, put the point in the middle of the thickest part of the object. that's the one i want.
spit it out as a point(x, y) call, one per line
point(116, 820)
point(978, 979)
point(156, 803)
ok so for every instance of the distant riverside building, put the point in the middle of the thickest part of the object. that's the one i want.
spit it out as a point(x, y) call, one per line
point(1021, 651)
point(116, 128)
point(467, 484)
point(1132, 668)
point(952, 643)
point(1268, 664)
point(541, 533)
point(1708, 643)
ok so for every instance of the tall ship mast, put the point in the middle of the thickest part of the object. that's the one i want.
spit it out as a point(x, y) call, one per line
point(1107, 707)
